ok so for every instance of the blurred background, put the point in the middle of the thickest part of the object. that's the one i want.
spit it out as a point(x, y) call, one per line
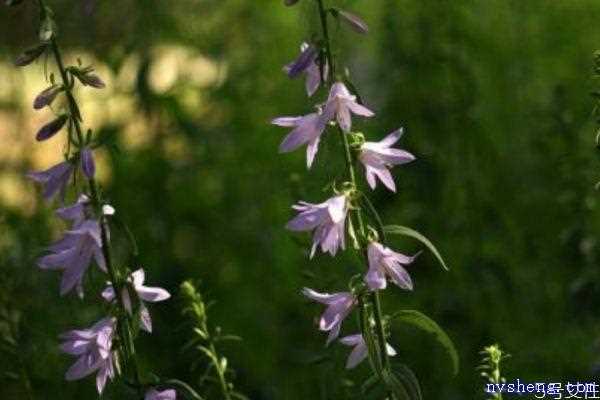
point(494, 98)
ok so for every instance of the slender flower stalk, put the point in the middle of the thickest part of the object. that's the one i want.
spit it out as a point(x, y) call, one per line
point(123, 324)
point(350, 211)
point(107, 348)
point(340, 103)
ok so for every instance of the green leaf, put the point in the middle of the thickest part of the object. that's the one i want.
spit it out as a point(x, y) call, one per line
point(423, 322)
point(369, 384)
point(405, 375)
point(396, 386)
point(405, 231)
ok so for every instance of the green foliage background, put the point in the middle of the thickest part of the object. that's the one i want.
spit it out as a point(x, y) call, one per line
point(494, 98)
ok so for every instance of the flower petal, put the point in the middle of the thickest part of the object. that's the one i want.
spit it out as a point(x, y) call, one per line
point(358, 354)
point(152, 294)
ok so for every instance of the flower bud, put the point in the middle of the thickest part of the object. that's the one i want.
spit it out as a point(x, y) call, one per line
point(88, 166)
point(86, 77)
point(51, 128)
point(46, 97)
point(30, 55)
point(92, 80)
point(47, 29)
point(353, 21)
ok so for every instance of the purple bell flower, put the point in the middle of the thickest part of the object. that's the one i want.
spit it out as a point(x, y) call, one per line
point(341, 104)
point(339, 305)
point(93, 347)
point(144, 293)
point(379, 157)
point(328, 220)
point(307, 130)
point(307, 63)
point(54, 180)
point(385, 262)
point(74, 252)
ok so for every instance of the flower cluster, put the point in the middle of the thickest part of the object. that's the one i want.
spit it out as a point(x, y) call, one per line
point(106, 348)
point(331, 220)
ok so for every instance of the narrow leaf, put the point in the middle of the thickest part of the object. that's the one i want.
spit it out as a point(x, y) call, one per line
point(405, 231)
point(396, 386)
point(423, 322)
point(405, 375)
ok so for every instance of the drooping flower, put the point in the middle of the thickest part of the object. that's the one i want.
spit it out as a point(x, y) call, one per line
point(144, 293)
point(54, 179)
point(327, 219)
point(93, 347)
point(339, 305)
point(76, 212)
point(307, 63)
point(153, 394)
point(378, 157)
point(88, 166)
point(360, 351)
point(307, 130)
point(307, 55)
point(385, 262)
point(74, 252)
point(340, 104)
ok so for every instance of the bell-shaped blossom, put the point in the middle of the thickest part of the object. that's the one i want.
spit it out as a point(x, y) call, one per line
point(339, 305)
point(154, 394)
point(307, 130)
point(93, 347)
point(379, 157)
point(74, 252)
point(75, 213)
point(327, 219)
point(360, 351)
point(307, 63)
point(340, 104)
point(54, 180)
point(385, 262)
point(143, 293)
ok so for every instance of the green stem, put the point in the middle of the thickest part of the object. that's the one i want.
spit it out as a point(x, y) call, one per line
point(350, 161)
point(220, 370)
point(325, 28)
point(220, 373)
point(123, 331)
